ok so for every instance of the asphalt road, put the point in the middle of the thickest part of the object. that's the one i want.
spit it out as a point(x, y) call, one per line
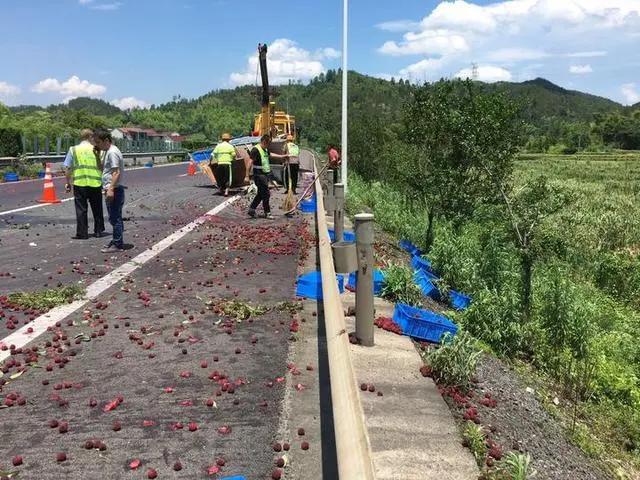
point(156, 338)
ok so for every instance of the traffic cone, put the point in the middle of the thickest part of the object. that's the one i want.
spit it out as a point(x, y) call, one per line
point(191, 169)
point(49, 190)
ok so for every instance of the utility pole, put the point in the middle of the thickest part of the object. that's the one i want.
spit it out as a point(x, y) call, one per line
point(345, 86)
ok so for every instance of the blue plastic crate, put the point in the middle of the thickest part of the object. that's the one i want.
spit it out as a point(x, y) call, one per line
point(346, 236)
point(410, 248)
point(378, 281)
point(148, 165)
point(420, 263)
point(425, 281)
point(310, 285)
point(41, 174)
point(237, 477)
point(11, 177)
point(201, 156)
point(308, 206)
point(458, 300)
point(422, 324)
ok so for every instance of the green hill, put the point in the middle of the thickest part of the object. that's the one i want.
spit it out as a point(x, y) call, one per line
point(556, 116)
point(544, 99)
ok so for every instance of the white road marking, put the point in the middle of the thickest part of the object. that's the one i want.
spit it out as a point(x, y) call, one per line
point(16, 210)
point(21, 337)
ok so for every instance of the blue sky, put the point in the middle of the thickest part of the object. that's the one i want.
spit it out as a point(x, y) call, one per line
point(138, 52)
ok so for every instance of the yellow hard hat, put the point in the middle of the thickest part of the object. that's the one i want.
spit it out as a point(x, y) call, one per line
point(290, 137)
point(226, 136)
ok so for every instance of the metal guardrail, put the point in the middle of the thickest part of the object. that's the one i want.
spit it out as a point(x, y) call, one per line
point(351, 436)
point(12, 161)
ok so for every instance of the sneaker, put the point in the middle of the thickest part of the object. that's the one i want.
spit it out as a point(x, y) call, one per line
point(251, 213)
point(80, 237)
point(268, 216)
point(101, 235)
point(112, 249)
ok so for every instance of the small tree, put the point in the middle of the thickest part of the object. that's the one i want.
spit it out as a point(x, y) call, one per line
point(10, 142)
point(458, 133)
point(527, 209)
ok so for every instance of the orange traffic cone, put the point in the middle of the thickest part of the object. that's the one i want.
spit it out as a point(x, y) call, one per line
point(49, 190)
point(191, 169)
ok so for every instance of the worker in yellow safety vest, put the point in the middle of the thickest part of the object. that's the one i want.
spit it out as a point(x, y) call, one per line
point(84, 174)
point(260, 157)
point(222, 159)
point(291, 166)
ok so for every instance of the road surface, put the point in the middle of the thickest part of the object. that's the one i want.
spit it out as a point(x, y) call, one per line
point(196, 386)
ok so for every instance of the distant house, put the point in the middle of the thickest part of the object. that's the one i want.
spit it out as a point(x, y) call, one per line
point(138, 134)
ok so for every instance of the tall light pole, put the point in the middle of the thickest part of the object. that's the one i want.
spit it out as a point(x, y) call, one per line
point(345, 86)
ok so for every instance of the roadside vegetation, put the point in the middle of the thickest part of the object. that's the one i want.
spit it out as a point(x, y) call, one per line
point(548, 249)
point(44, 300)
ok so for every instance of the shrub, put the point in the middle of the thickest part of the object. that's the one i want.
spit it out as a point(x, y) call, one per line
point(516, 466)
point(399, 286)
point(454, 362)
point(474, 439)
point(10, 142)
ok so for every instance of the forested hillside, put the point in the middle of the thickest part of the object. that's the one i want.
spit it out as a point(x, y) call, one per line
point(558, 120)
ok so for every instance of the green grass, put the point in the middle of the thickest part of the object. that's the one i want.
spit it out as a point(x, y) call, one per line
point(595, 241)
point(47, 299)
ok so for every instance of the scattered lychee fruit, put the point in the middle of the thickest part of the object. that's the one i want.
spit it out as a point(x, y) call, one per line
point(177, 466)
point(305, 446)
point(61, 457)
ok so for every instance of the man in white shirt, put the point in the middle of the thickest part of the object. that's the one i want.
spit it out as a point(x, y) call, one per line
point(113, 187)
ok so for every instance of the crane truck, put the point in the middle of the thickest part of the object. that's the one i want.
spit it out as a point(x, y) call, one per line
point(277, 123)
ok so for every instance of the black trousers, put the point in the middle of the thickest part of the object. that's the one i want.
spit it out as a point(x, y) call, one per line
point(223, 176)
point(92, 196)
point(262, 182)
point(295, 169)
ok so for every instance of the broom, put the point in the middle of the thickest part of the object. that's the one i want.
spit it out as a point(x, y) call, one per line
point(289, 201)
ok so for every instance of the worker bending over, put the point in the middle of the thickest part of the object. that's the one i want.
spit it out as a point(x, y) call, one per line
point(260, 157)
point(292, 165)
point(222, 158)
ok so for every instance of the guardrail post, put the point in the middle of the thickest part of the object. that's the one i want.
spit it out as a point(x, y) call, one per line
point(330, 182)
point(338, 213)
point(364, 277)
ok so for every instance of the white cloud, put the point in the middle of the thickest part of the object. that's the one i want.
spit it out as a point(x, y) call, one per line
point(129, 103)
point(592, 54)
point(487, 73)
point(503, 33)
point(580, 69)
point(107, 6)
point(423, 69)
point(8, 90)
point(327, 54)
point(516, 54)
point(73, 87)
point(630, 93)
point(428, 42)
point(286, 61)
point(398, 26)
